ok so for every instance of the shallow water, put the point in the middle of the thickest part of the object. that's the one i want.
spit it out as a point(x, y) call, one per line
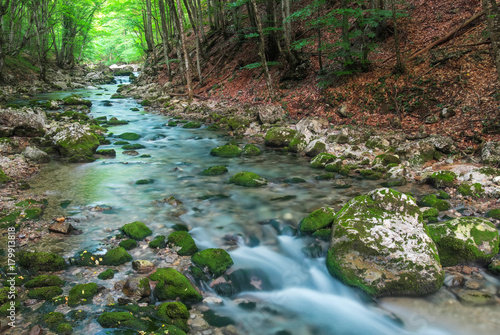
point(302, 299)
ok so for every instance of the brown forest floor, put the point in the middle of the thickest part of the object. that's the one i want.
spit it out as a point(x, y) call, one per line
point(466, 83)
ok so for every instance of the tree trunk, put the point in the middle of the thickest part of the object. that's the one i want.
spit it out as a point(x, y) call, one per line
point(262, 50)
point(400, 66)
point(149, 35)
point(287, 33)
point(165, 37)
point(184, 50)
point(492, 12)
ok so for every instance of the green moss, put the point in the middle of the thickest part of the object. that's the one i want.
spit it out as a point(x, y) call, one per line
point(75, 100)
point(279, 137)
point(298, 143)
point(494, 213)
point(45, 293)
point(192, 125)
point(428, 201)
point(158, 243)
point(129, 136)
point(183, 240)
point(370, 174)
point(238, 124)
point(121, 320)
point(128, 244)
point(144, 181)
point(118, 96)
point(136, 230)
point(107, 274)
point(325, 176)
point(227, 150)
point(319, 219)
point(64, 329)
point(170, 330)
point(248, 179)
point(54, 319)
point(42, 261)
point(294, 180)
point(4, 309)
point(107, 152)
point(84, 258)
point(121, 143)
point(251, 150)
point(321, 160)
point(172, 124)
point(145, 103)
point(33, 213)
point(489, 171)
point(134, 146)
point(467, 189)
point(82, 294)
point(216, 260)
point(214, 171)
point(442, 179)
point(323, 234)
point(172, 285)
point(44, 280)
point(318, 148)
point(431, 212)
point(174, 313)
point(334, 167)
point(116, 256)
point(441, 205)
point(443, 195)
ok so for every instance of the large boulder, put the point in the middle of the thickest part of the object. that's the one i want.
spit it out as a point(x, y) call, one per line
point(270, 114)
point(491, 153)
point(380, 245)
point(465, 240)
point(75, 142)
point(279, 137)
point(36, 155)
point(28, 122)
point(314, 124)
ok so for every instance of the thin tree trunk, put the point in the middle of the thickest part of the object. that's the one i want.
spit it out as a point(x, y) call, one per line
point(149, 28)
point(492, 12)
point(165, 37)
point(287, 33)
point(262, 51)
point(184, 50)
point(198, 45)
point(320, 55)
point(400, 66)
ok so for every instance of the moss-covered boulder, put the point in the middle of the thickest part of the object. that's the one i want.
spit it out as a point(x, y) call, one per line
point(174, 313)
point(386, 159)
point(106, 274)
point(465, 240)
point(173, 285)
point(42, 261)
point(54, 319)
point(44, 280)
point(107, 152)
point(214, 170)
point(135, 146)
point(315, 148)
point(227, 150)
point(116, 256)
point(248, 179)
point(128, 244)
point(298, 143)
point(129, 136)
point(44, 293)
point(371, 174)
point(82, 294)
point(145, 103)
point(64, 329)
point(279, 137)
point(494, 213)
point(192, 125)
point(115, 122)
point(121, 320)
point(431, 200)
point(217, 261)
point(184, 241)
point(76, 100)
point(251, 150)
point(317, 220)
point(75, 142)
point(471, 190)
point(442, 179)
point(158, 242)
point(380, 245)
point(136, 230)
point(321, 160)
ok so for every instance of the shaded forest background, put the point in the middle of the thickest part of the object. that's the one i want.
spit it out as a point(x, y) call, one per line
point(409, 66)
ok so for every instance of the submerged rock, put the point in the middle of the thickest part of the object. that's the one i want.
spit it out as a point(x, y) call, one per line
point(465, 240)
point(248, 179)
point(380, 245)
point(214, 171)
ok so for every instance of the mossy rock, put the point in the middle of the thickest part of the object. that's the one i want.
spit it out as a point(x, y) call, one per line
point(442, 179)
point(279, 137)
point(386, 159)
point(82, 294)
point(76, 143)
point(319, 219)
point(116, 256)
point(54, 319)
point(248, 179)
point(85, 258)
point(494, 213)
point(3, 177)
point(251, 150)
point(183, 240)
point(476, 298)
point(118, 96)
point(380, 244)
point(106, 152)
point(136, 230)
point(76, 100)
point(214, 171)
point(172, 285)
point(334, 167)
point(158, 243)
point(44, 280)
point(371, 174)
point(295, 180)
point(443, 195)
point(172, 124)
point(174, 313)
point(321, 160)
point(115, 122)
point(144, 181)
point(428, 200)
point(121, 320)
point(107, 274)
point(129, 136)
point(121, 143)
point(145, 103)
point(465, 240)
point(64, 329)
point(315, 148)
point(135, 146)
point(441, 205)
point(128, 244)
point(216, 260)
point(134, 109)
point(170, 330)
point(45, 293)
point(325, 176)
point(42, 261)
point(472, 190)
point(227, 151)
point(192, 125)
point(298, 143)
point(431, 212)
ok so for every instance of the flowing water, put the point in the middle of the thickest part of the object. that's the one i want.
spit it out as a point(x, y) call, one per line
point(300, 296)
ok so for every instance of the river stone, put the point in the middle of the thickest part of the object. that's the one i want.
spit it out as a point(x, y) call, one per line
point(137, 288)
point(36, 155)
point(143, 266)
point(75, 141)
point(279, 137)
point(25, 122)
point(476, 298)
point(465, 240)
point(379, 244)
point(76, 100)
point(63, 227)
point(314, 124)
point(315, 148)
point(270, 114)
point(442, 143)
point(491, 153)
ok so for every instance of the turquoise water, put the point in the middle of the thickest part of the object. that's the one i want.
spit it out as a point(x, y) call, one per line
point(302, 297)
